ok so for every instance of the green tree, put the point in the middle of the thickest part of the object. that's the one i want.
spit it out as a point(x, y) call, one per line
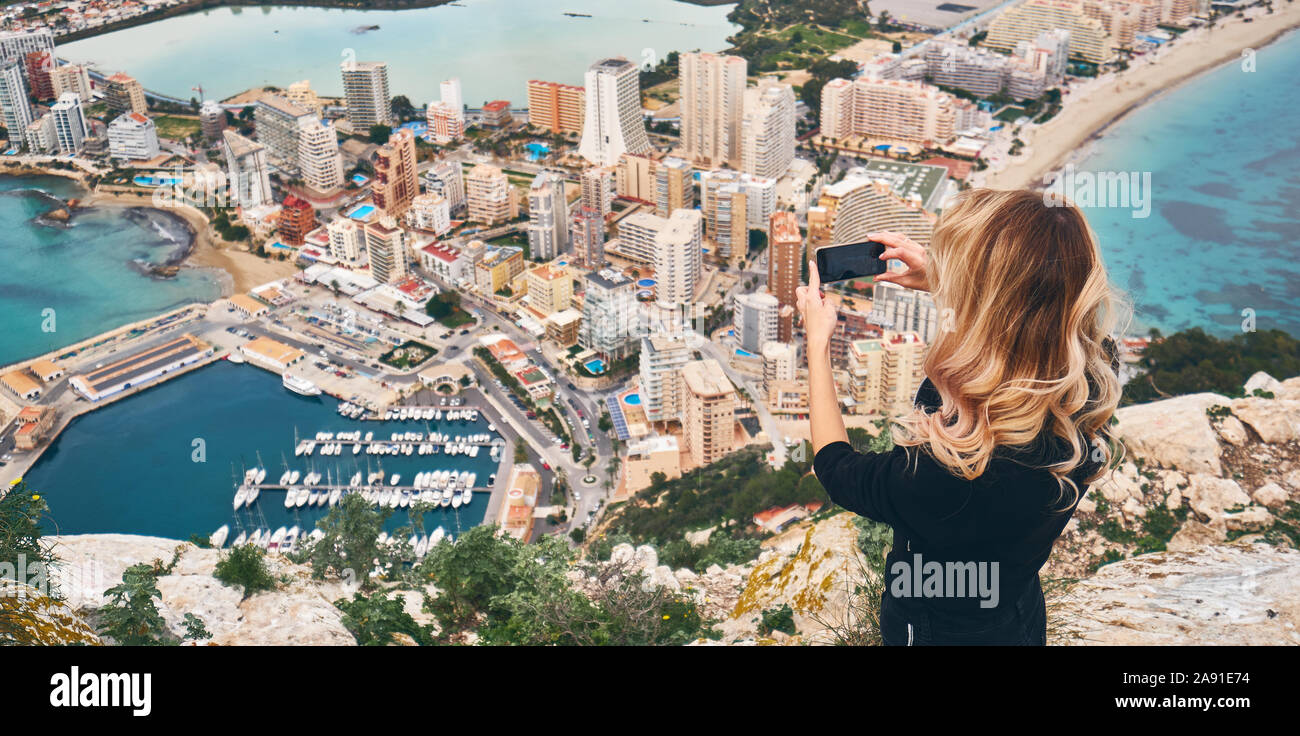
point(130, 616)
point(379, 133)
point(375, 620)
point(350, 543)
point(521, 450)
point(245, 566)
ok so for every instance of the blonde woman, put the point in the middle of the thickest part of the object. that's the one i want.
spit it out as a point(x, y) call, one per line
point(1008, 429)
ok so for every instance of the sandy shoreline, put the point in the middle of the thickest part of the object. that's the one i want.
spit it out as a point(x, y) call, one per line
point(1095, 106)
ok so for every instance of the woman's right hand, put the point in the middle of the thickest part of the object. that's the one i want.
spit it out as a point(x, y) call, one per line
point(911, 253)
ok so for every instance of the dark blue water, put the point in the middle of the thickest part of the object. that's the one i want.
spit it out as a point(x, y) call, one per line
point(1223, 236)
point(129, 467)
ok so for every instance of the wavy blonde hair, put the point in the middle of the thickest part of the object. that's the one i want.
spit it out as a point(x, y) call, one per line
point(1024, 351)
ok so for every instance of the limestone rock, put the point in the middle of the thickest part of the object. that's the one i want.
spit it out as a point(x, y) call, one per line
point(1193, 535)
point(1262, 381)
point(1174, 433)
point(1209, 496)
point(700, 537)
point(1231, 430)
point(1218, 595)
point(1274, 420)
point(1271, 495)
point(1121, 484)
point(1249, 519)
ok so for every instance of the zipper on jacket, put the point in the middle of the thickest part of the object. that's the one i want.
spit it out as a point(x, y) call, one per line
point(909, 635)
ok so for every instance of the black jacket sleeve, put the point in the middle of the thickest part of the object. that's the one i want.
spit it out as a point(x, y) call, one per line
point(884, 487)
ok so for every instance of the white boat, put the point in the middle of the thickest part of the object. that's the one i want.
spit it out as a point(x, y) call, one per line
point(250, 474)
point(284, 477)
point(437, 536)
point(356, 449)
point(235, 358)
point(356, 479)
point(290, 498)
point(240, 540)
point(277, 538)
point(253, 493)
point(303, 495)
point(384, 497)
point(313, 498)
point(218, 538)
point(291, 538)
point(335, 495)
point(261, 476)
point(393, 481)
point(256, 539)
point(241, 495)
point(293, 477)
point(455, 500)
point(300, 385)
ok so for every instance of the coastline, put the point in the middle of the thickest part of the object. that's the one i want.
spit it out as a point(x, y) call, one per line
point(1097, 105)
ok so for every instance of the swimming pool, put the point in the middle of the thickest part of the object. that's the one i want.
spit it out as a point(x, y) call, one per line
point(596, 366)
point(155, 181)
point(362, 212)
point(646, 283)
point(745, 353)
point(632, 399)
point(360, 179)
point(537, 150)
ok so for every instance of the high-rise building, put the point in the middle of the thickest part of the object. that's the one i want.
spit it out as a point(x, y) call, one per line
point(447, 178)
point(779, 363)
point(784, 266)
point(69, 123)
point(857, 205)
point(445, 117)
point(71, 78)
point(885, 373)
point(365, 88)
point(449, 92)
point(347, 239)
point(558, 108)
point(247, 169)
point(1089, 39)
point(297, 218)
point(40, 135)
point(279, 123)
point(39, 64)
point(634, 177)
point(612, 125)
point(386, 247)
point(429, 212)
point(674, 186)
point(754, 317)
point(14, 104)
point(497, 267)
point(598, 189)
point(212, 119)
point(636, 236)
point(887, 109)
point(662, 359)
point(609, 314)
point(677, 258)
point(767, 131)
point(900, 309)
point(712, 104)
point(708, 411)
point(132, 136)
point(587, 236)
point(396, 180)
point(319, 159)
point(16, 45)
point(122, 93)
point(490, 197)
point(496, 114)
point(548, 216)
point(725, 207)
point(550, 289)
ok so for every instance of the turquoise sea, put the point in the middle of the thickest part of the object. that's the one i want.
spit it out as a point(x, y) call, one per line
point(88, 271)
point(1223, 236)
point(493, 46)
point(131, 467)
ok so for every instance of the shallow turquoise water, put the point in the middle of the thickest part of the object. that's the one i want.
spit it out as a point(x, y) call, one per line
point(87, 272)
point(1223, 235)
point(129, 467)
point(493, 46)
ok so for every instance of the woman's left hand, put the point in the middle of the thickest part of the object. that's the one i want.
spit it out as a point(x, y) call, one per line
point(819, 314)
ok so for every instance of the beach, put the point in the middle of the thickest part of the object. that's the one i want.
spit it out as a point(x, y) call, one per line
point(1092, 106)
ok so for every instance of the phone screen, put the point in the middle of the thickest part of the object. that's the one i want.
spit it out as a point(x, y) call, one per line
point(855, 260)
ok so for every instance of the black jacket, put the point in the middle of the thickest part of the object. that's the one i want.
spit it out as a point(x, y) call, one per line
point(1010, 515)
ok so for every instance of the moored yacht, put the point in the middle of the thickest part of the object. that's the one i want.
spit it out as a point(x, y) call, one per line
point(300, 385)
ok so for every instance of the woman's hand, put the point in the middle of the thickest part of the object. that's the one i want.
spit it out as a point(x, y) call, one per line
point(819, 314)
point(910, 253)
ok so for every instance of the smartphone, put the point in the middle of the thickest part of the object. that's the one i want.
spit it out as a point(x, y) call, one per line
point(850, 261)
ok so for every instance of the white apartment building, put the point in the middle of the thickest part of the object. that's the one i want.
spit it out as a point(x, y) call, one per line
point(69, 123)
point(71, 78)
point(429, 212)
point(14, 105)
point(40, 135)
point(678, 259)
point(712, 103)
point(900, 309)
point(247, 169)
point(887, 109)
point(767, 131)
point(754, 317)
point(347, 239)
point(447, 179)
point(613, 124)
point(133, 137)
point(386, 248)
point(662, 359)
point(548, 216)
point(609, 314)
point(365, 87)
point(18, 44)
point(319, 160)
